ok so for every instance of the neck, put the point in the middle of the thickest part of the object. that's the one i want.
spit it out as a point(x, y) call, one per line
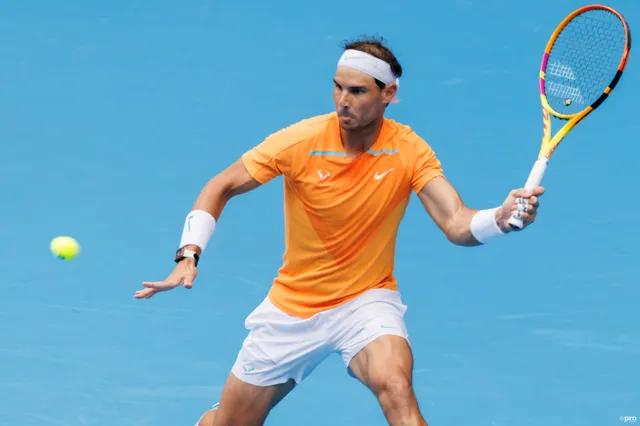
point(357, 142)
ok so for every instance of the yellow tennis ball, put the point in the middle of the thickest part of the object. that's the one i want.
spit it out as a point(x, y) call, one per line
point(65, 248)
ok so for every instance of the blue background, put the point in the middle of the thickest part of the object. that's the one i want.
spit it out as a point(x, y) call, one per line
point(115, 114)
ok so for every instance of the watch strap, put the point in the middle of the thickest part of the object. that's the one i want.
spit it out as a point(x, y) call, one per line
point(183, 253)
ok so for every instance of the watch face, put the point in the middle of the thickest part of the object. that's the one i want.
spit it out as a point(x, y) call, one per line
point(180, 254)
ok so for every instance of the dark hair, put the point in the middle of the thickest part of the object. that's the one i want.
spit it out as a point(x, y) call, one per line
point(375, 46)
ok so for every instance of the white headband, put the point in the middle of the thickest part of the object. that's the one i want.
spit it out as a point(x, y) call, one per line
point(370, 65)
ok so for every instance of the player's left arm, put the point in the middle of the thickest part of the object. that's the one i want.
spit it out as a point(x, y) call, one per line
point(465, 226)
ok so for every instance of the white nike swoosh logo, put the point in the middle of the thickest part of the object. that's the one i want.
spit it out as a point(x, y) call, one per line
point(380, 176)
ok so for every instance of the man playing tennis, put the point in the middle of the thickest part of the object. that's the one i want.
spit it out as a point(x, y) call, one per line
point(348, 177)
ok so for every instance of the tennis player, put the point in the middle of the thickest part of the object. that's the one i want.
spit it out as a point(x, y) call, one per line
point(348, 176)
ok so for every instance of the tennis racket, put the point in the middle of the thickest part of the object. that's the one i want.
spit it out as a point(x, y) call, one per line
point(582, 63)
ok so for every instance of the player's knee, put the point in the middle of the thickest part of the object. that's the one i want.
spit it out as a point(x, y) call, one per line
point(394, 389)
point(396, 397)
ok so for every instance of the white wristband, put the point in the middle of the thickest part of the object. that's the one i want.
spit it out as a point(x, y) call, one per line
point(198, 228)
point(484, 226)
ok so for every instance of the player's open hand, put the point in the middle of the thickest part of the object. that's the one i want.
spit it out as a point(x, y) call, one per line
point(524, 204)
point(183, 274)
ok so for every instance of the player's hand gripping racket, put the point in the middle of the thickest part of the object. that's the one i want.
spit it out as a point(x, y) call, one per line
point(581, 65)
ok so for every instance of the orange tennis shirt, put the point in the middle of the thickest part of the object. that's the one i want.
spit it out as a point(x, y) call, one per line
point(342, 214)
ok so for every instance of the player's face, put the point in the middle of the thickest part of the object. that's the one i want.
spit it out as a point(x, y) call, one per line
point(359, 101)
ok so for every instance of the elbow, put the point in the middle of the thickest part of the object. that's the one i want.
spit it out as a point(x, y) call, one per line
point(453, 234)
point(458, 230)
point(462, 239)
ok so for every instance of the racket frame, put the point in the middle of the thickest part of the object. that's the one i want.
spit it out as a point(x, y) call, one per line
point(549, 143)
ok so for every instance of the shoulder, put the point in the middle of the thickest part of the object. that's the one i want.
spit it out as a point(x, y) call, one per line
point(278, 152)
point(301, 131)
point(420, 158)
point(406, 137)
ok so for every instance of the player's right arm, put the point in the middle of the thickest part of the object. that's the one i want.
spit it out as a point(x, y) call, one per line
point(232, 181)
point(213, 197)
point(256, 167)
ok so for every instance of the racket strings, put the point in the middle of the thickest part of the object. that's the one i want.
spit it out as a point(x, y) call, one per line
point(583, 61)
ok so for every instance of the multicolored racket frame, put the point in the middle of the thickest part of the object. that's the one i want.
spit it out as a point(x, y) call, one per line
point(549, 144)
point(582, 63)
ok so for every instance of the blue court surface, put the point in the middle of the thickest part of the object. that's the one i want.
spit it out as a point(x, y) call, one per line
point(115, 114)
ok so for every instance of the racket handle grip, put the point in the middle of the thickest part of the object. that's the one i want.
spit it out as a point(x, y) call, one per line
point(535, 177)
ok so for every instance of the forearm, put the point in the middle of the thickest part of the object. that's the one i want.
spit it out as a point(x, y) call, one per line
point(458, 228)
point(468, 227)
point(213, 197)
point(211, 201)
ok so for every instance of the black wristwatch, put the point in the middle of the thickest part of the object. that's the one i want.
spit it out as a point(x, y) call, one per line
point(183, 253)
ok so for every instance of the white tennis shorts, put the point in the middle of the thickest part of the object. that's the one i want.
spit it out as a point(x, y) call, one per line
point(280, 347)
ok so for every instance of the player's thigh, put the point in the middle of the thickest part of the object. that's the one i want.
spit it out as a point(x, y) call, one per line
point(279, 352)
point(375, 339)
point(376, 350)
point(385, 364)
point(244, 404)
